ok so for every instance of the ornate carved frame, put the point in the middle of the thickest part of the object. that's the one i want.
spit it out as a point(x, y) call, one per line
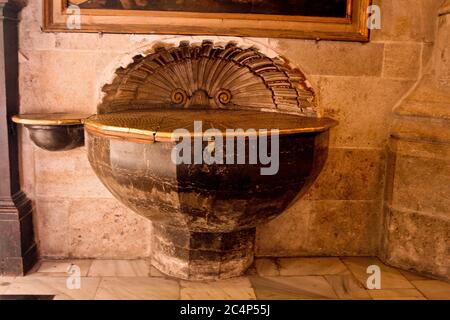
point(351, 28)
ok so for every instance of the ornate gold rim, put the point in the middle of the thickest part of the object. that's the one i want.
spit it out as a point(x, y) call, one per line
point(152, 136)
point(51, 119)
point(156, 133)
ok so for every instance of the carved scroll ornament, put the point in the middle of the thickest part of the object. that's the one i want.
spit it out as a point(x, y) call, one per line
point(191, 76)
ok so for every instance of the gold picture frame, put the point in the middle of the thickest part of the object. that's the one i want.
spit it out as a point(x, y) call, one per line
point(353, 27)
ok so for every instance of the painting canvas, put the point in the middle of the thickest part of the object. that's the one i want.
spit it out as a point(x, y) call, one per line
point(311, 19)
point(323, 8)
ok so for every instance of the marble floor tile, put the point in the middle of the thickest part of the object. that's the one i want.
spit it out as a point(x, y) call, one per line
point(59, 268)
point(347, 287)
point(119, 268)
point(433, 289)
point(284, 278)
point(411, 276)
point(292, 288)
point(53, 286)
point(137, 288)
point(267, 267)
point(396, 294)
point(391, 278)
point(311, 266)
point(233, 289)
point(5, 282)
point(156, 273)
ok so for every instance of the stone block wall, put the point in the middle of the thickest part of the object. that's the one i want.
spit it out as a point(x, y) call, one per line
point(416, 210)
point(357, 84)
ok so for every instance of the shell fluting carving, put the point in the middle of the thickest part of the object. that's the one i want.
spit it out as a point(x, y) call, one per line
point(208, 75)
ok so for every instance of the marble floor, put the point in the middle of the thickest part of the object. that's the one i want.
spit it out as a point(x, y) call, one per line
point(268, 279)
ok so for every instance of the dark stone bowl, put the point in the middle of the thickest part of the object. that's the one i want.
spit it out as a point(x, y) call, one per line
point(57, 138)
point(204, 216)
point(54, 131)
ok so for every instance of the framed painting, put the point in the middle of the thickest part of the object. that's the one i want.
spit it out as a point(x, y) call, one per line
point(311, 19)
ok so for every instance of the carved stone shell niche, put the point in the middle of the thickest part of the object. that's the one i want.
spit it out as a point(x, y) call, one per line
point(209, 76)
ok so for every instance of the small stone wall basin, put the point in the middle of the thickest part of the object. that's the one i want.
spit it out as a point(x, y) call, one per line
point(204, 214)
point(54, 132)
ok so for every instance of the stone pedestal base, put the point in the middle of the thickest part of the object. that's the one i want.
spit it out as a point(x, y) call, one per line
point(202, 256)
point(18, 251)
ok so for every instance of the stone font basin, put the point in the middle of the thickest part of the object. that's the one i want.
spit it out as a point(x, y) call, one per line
point(54, 132)
point(204, 214)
